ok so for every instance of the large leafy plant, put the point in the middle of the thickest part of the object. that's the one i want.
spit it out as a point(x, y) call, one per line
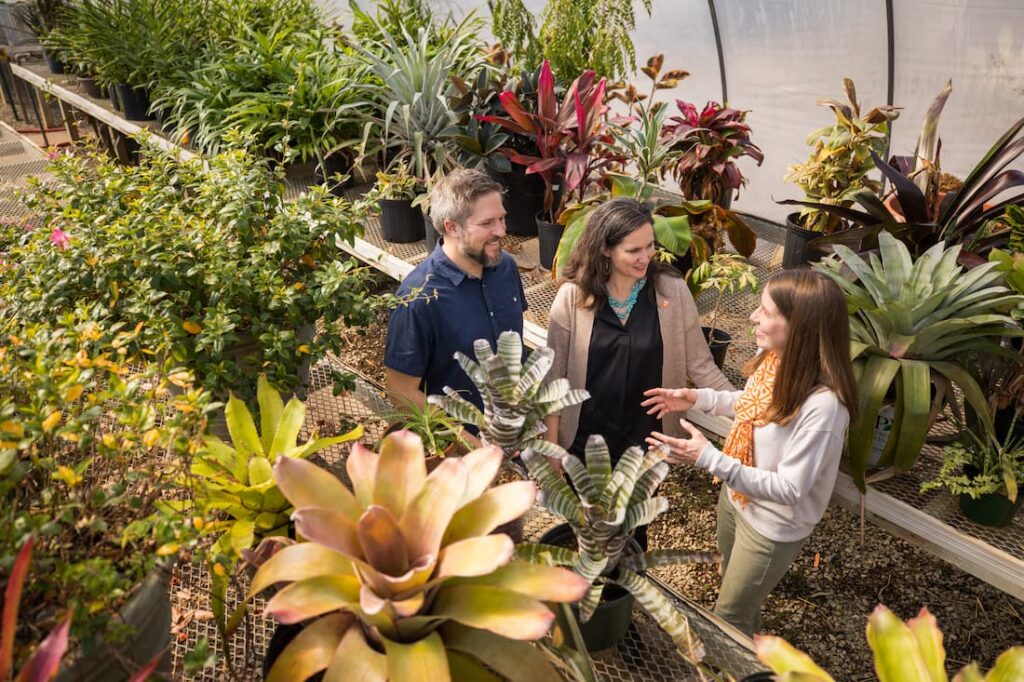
point(912, 323)
point(842, 155)
point(996, 468)
point(399, 577)
point(604, 508)
point(908, 651)
point(219, 269)
point(515, 394)
point(568, 136)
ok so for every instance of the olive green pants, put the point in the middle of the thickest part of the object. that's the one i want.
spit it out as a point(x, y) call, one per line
point(752, 565)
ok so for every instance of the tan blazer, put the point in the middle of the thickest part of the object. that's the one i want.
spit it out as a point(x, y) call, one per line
point(687, 357)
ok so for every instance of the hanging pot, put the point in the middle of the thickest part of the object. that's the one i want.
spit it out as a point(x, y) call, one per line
point(797, 253)
point(134, 102)
point(719, 345)
point(614, 613)
point(90, 87)
point(400, 221)
point(548, 236)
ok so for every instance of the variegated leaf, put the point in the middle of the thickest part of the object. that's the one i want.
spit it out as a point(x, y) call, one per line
point(644, 513)
point(648, 482)
point(553, 390)
point(543, 554)
point(599, 462)
point(580, 478)
point(482, 351)
point(510, 350)
point(667, 557)
point(589, 602)
point(573, 397)
point(534, 370)
point(664, 613)
point(617, 494)
point(472, 370)
point(553, 487)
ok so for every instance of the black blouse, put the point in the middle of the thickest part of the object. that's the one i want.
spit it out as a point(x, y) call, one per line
point(624, 360)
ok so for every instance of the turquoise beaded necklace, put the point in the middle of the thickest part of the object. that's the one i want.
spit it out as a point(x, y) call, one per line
point(623, 308)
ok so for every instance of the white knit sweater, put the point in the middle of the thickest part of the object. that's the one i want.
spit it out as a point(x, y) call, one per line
point(795, 466)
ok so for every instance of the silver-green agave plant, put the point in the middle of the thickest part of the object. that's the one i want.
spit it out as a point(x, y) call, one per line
point(515, 394)
point(605, 510)
point(912, 323)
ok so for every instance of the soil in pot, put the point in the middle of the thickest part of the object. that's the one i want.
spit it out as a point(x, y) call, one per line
point(614, 613)
point(90, 87)
point(134, 102)
point(797, 253)
point(548, 236)
point(400, 221)
point(719, 345)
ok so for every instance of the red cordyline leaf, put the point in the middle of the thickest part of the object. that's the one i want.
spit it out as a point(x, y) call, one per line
point(546, 104)
point(143, 674)
point(12, 600)
point(45, 661)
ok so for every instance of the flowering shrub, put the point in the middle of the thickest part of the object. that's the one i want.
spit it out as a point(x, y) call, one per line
point(209, 258)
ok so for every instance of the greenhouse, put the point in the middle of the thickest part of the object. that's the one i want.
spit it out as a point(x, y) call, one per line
point(517, 340)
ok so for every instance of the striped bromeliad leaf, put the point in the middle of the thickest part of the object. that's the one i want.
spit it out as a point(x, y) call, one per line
point(912, 323)
point(409, 559)
point(664, 613)
point(515, 397)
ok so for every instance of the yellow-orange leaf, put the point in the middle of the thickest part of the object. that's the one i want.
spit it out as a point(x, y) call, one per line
point(191, 327)
point(51, 422)
point(74, 392)
point(12, 429)
point(304, 349)
point(151, 438)
point(168, 549)
point(180, 379)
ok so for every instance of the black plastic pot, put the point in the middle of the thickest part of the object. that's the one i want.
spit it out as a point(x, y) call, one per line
point(719, 345)
point(763, 676)
point(162, 117)
point(336, 164)
point(400, 221)
point(432, 236)
point(614, 613)
point(523, 199)
point(90, 87)
point(548, 236)
point(134, 102)
point(114, 99)
point(54, 63)
point(797, 253)
point(991, 509)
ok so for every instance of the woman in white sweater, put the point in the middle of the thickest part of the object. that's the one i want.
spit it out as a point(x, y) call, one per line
point(781, 457)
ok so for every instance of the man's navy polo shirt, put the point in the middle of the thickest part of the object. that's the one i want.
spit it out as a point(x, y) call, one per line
point(451, 312)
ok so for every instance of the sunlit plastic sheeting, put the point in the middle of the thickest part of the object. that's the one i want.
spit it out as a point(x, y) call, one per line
point(977, 43)
point(781, 56)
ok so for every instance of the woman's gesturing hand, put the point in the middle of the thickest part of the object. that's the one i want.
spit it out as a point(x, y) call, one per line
point(681, 450)
point(661, 401)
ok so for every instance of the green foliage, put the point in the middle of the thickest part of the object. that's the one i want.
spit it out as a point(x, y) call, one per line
point(910, 651)
point(92, 445)
point(516, 396)
point(573, 36)
point(723, 272)
point(219, 270)
point(995, 468)
point(436, 429)
point(42, 16)
point(912, 324)
point(840, 160)
point(604, 507)
point(398, 184)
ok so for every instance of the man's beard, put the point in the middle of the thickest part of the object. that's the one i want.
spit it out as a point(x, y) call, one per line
point(479, 256)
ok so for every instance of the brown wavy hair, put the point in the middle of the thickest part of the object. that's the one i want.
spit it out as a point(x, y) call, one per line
point(817, 351)
point(588, 268)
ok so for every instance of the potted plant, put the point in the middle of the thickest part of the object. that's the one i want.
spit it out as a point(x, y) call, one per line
point(42, 17)
point(983, 472)
point(395, 191)
point(836, 171)
point(913, 323)
point(706, 145)
point(441, 435)
point(567, 138)
point(224, 275)
point(723, 272)
point(400, 577)
point(602, 510)
point(927, 214)
point(908, 651)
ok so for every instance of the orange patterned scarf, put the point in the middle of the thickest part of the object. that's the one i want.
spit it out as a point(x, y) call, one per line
point(750, 409)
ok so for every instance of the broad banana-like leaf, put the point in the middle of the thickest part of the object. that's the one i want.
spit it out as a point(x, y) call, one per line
point(427, 517)
point(493, 508)
point(313, 597)
point(508, 657)
point(307, 485)
point(505, 613)
point(915, 401)
point(354, 660)
point(312, 649)
point(422, 660)
point(271, 407)
point(783, 658)
point(929, 642)
point(287, 432)
point(299, 562)
point(667, 557)
point(664, 613)
point(897, 656)
point(878, 375)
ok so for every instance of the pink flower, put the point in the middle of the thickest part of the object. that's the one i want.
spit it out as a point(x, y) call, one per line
point(60, 238)
point(52, 153)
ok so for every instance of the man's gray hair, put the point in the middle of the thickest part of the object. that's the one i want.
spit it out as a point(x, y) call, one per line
point(453, 196)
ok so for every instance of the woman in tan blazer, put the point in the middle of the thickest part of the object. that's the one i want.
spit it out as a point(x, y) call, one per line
point(622, 324)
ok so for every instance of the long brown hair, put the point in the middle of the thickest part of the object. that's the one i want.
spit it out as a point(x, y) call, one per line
point(817, 351)
point(607, 226)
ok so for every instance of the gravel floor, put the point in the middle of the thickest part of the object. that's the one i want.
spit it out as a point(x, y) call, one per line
point(823, 602)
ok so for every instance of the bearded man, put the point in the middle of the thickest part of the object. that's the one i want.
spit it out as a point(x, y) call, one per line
point(466, 289)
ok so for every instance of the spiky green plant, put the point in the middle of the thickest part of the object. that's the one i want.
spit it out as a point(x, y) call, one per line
point(516, 397)
point(912, 323)
point(400, 578)
point(605, 510)
point(908, 651)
